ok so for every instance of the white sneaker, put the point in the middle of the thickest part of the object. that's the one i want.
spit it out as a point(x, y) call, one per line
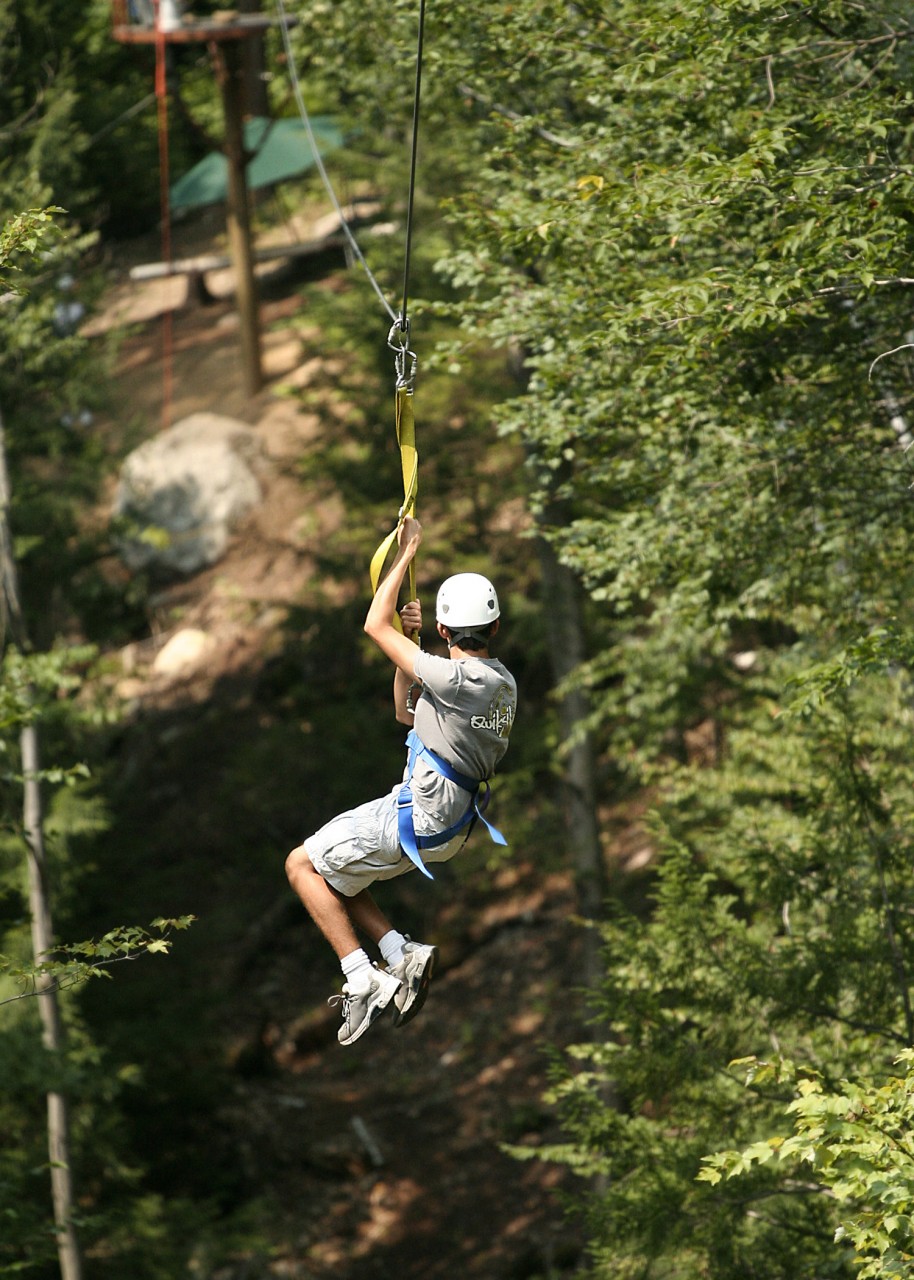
point(362, 1008)
point(414, 973)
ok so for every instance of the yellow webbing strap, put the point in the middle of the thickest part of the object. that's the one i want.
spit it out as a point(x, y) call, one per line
point(409, 461)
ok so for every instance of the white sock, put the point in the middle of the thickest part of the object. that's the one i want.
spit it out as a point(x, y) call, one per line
point(358, 970)
point(391, 946)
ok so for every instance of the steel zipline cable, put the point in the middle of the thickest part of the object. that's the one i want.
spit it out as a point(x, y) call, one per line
point(414, 151)
point(400, 321)
point(398, 337)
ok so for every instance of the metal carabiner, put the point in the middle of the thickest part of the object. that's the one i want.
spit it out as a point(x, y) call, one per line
point(406, 362)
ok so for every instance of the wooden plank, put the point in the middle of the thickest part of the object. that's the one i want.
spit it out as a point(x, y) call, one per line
point(220, 261)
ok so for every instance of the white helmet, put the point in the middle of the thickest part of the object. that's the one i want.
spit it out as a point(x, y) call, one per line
point(466, 600)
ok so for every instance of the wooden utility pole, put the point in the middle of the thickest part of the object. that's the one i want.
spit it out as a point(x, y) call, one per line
point(39, 902)
point(256, 98)
point(230, 75)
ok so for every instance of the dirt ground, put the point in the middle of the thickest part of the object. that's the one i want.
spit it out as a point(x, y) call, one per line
point(385, 1159)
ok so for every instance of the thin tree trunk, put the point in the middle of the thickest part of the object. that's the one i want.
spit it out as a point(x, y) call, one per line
point(39, 902)
point(49, 1009)
point(566, 644)
point(566, 629)
point(567, 648)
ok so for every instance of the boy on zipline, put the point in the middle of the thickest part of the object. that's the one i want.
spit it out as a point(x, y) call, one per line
point(460, 722)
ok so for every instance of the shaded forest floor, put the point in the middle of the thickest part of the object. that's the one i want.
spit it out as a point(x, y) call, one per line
point(385, 1159)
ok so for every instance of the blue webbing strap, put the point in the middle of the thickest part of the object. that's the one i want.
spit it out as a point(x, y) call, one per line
point(409, 841)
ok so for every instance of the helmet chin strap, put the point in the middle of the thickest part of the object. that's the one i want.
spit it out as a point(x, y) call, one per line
point(456, 641)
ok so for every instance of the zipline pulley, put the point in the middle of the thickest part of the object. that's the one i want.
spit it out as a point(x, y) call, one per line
point(406, 362)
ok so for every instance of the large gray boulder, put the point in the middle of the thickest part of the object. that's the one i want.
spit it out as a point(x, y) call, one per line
point(182, 492)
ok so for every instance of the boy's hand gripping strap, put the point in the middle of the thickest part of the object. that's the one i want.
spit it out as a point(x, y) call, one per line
point(409, 841)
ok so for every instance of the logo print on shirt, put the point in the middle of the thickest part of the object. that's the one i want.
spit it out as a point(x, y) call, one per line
point(500, 715)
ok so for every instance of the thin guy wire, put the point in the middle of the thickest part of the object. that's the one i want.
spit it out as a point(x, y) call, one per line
point(306, 119)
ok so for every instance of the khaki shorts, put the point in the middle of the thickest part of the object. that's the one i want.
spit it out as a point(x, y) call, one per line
point(362, 845)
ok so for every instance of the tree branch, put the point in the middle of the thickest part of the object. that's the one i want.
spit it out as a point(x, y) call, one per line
point(545, 134)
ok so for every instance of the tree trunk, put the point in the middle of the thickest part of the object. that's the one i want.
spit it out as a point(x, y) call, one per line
point(568, 649)
point(39, 903)
point(49, 1009)
point(565, 627)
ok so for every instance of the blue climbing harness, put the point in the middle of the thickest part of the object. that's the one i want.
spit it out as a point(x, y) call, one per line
point(409, 841)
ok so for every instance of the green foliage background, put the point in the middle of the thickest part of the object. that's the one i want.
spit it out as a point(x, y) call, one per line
point(706, 277)
point(683, 232)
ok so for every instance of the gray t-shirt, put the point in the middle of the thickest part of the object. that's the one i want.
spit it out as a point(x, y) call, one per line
point(464, 714)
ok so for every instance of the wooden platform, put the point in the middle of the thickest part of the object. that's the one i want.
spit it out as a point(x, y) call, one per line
point(236, 26)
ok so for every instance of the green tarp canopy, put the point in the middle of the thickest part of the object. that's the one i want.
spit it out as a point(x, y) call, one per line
point(281, 149)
